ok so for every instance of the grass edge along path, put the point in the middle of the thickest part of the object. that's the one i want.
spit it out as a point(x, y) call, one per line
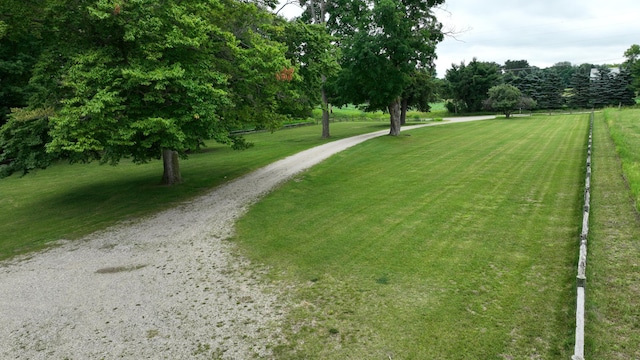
point(465, 248)
point(71, 201)
point(612, 328)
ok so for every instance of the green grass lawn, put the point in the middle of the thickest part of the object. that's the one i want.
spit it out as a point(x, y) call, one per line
point(613, 270)
point(69, 201)
point(456, 242)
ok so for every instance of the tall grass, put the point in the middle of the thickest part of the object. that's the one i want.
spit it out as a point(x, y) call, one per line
point(457, 242)
point(624, 128)
point(69, 201)
point(613, 271)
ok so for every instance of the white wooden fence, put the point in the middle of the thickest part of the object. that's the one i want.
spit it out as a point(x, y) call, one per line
point(578, 352)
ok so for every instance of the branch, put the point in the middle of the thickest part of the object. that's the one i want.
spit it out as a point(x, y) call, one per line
point(289, 2)
point(451, 31)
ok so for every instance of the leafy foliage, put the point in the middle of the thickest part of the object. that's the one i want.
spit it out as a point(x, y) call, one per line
point(17, 58)
point(133, 78)
point(420, 91)
point(23, 141)
point(311, 47)
point(469, 83)
point(633, 65)
point(506, 99)
point(556, 87)
point(565, 71)
point(20, 46)
point(383, 43)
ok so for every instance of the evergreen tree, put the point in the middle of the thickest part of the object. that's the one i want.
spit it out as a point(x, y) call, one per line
point(622, 88)
point(517, 67)
point(600, 90)
point(549, 92)
point(565, 71)
point(581, 84)
point(530, 84)
point(470, 83)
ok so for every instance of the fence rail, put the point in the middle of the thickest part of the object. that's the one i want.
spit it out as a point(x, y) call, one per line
point(581, 278)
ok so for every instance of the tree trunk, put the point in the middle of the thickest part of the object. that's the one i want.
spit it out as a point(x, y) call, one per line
point(403, 112)
point(171, 174)
point(325, 112)
point(394, 114)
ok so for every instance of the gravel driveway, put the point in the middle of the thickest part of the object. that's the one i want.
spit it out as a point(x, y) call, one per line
point(163, 287)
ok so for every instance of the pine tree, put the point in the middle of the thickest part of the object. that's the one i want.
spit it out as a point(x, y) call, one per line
point(550, 91)
point(581, 83)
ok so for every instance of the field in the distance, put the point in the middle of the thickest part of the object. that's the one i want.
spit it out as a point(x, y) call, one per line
point(453, 242)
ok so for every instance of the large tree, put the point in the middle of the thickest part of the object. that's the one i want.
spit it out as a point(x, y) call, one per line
point(383, 43)
point(632, 54)
point(580, 87)
point(507, 99)
point(517, 67)
point(147, 79)
point(611, 88)
point(320, 59)
point(311, 48)
point(549, 90)
point(565, 71)
point(469, 83)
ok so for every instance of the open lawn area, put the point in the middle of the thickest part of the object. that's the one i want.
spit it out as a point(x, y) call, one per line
point(452, 242)
point(446, 242)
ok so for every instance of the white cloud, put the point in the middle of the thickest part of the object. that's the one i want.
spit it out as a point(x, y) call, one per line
point(541, 32)
point(289, 9)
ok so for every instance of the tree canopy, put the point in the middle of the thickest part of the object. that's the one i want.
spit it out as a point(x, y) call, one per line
point(632, 64)
point(141, 79)
point(506, 99)
point(469, 83)
point(383, 43)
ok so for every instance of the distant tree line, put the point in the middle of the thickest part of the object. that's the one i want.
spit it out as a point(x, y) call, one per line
point(563, 85)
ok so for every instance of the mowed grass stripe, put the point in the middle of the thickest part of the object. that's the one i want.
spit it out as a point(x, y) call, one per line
point(455, 242)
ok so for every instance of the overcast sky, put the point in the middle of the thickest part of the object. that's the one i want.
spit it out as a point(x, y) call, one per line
point(542, 32)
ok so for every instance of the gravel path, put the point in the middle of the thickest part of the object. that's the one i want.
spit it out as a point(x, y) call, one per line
point(163, 287)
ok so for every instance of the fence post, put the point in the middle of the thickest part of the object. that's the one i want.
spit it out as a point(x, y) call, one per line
point(581, 278)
